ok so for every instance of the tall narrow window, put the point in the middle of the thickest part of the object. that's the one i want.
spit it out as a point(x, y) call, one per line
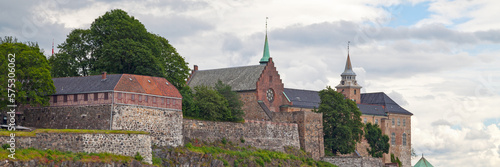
point(354, 91)
point(376, 121)
point(140, 98)
point(146, 99)
point(399, 122)
point(392, 121)
point(95, 96)
point(174, 101)
point(404, 139)
point(168, 101)
point(75, 98)
point(54, 98)
point(162, 100)
point(404, 122)
point(106, 96)
point(132, 97)
point(65, 98)
point(85, 97)
point(393, 138)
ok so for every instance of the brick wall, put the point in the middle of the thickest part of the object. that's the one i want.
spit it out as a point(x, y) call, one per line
point(164, 125)
point(251, 108)
point(148, 100)
point(354, 161)
point(69, 100)
point(310, 130)
point(270, 79)
point(68, 117)
point(260, 134)
point(123, 144)
point(399, 149)
point(363, 145)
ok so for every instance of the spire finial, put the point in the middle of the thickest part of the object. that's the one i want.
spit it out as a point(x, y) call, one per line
point(266, 23)
point(348, 42)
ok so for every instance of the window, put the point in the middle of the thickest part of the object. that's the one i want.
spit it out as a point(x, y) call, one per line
point(174, 101)
point(140, 97)
point(85, 97)
point(119, 95)
point(154, 99)
point(146, 99)
point(162, 100)
point(376, 121)
point(96, 96)
point(354, 91)
point(364, 120)
point(393, 138)
point(392, 121)
point(342, 89)
point(399, 122)
point(65, 98)
point(168, 101)
point(75, 98)
point(404, 122)
point(54, 98)
point(132, 97)
point(404, 139)
point(106, 96)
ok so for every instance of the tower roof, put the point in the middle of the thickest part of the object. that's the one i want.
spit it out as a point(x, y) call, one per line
point(265, 55)
point(348, 67)
point(423, 163)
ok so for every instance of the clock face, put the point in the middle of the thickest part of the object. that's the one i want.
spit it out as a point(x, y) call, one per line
point(270, 95)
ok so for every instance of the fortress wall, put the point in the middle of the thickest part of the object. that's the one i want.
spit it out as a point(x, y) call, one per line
point(260, 134)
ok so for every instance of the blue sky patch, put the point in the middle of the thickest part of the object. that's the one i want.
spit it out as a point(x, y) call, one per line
point(407, 14)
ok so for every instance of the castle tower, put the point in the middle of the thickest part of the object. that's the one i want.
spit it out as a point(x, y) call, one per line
point(348, 85)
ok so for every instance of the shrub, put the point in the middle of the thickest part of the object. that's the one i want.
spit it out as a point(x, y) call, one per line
point(242, 140)
point(224, 141)
point(5, 146)
point(138, 157)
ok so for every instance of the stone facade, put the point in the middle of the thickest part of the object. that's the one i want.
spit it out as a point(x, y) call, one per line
point(123, 144)
point(400, 128)
point(260, 134)
point(354, 161)
point(251, 108)
point(68, 117)
point(164, 125)
point(310, 130)
point(270, 80)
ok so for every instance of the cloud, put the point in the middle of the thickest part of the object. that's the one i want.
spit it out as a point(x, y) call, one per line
point(477, 134)
point(441, 122)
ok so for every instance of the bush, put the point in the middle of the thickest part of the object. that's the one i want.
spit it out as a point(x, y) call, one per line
point(5, 146)
point(224, 141)
point(138, 157)
point(242, 140)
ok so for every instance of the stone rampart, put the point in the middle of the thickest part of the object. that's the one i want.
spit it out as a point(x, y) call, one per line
point(164, 125)
point(260, 134)
point(123, 144)
point(68, 117)
point(354, 161)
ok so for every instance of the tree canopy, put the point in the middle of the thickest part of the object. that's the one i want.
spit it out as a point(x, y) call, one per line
point(215, 104)
point(379, 143)
point(342, 125)
point(118, 43)
point(33, 82)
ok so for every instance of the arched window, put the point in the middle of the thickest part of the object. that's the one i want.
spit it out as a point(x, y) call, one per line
point(404, 139)
point(404, 122)
point(393, 138)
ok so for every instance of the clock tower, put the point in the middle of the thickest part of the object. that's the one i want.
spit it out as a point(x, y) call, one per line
point(348, 86)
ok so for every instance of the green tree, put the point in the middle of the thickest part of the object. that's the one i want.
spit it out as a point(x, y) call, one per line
point(211, 104)
point(379, 143)
point(341, 122)
point(33, 82)
point(189, 108)
point(119, 43)
point(234, 102)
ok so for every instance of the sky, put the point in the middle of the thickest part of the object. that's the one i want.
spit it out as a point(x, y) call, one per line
point(439, 59)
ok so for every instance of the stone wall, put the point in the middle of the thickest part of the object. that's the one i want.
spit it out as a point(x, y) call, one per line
point(354, 161)
point(68, 117)
point(310, 130)
point(164, 125)
point(260, 134)
point(251, 108)
point(123, 144)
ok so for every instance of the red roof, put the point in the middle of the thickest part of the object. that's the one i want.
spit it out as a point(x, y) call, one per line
point(147, 85)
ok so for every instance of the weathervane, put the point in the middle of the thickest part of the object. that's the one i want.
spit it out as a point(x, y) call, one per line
point(266, 24)
point(348, 42)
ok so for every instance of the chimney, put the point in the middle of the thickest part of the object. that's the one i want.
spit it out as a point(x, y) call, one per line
point(192, 73)
point(103, 75)
point(195, 67)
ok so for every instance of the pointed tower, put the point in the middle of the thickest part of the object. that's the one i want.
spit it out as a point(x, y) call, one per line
point(265, 55)
point(348, 85)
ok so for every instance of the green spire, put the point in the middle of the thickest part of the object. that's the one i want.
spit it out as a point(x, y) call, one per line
point(266, 55)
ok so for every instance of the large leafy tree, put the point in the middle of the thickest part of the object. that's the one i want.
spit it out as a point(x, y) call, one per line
point(379, 143)
point(118, 43)
point(342, 125)
point(211, 104)
point(233, 99)
point(33, 82)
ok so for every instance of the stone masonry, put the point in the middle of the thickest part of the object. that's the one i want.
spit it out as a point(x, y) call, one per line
point(354, 161)
point(123, 144)
point(260, 134)
point(164, 125)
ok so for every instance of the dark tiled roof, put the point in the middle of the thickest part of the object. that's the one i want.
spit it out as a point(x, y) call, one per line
point(116, 82)
point(94, 83)
point(371, 109)
point(239, 78)
point(303, 98)
point(382, 99)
